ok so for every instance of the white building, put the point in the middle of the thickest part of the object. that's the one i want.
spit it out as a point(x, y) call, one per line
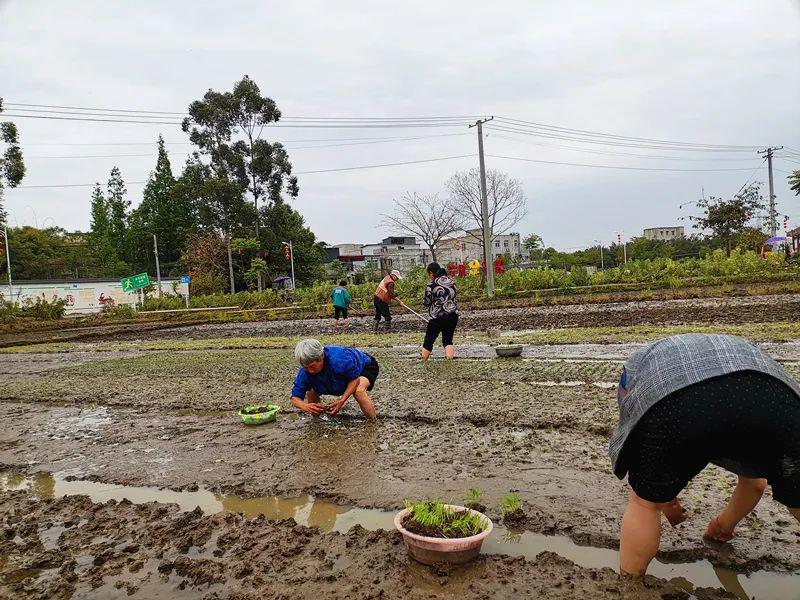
point(447, 252)
point(400, 252)
point(663, 233)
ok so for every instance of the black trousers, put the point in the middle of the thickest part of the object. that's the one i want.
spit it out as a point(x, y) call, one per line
point(381, 310)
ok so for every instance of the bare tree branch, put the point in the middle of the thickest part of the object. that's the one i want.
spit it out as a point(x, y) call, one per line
point(424, 216)
point(505, 197)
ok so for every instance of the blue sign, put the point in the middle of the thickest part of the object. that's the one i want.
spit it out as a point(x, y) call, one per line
point(184, 279)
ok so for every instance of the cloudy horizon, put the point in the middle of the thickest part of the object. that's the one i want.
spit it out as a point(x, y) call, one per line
point(714, 72)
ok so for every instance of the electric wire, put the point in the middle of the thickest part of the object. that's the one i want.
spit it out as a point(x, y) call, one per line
point(621, 167)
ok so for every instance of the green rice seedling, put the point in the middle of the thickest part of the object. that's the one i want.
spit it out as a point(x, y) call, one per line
point(510, 504)
point(451, 524)
point(474, 496)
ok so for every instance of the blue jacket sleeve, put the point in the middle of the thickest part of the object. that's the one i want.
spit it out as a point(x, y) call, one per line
point(301, 384)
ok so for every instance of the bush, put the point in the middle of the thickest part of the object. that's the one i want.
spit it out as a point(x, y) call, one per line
point(714, 268)
point(120, 311)
point(41, 308)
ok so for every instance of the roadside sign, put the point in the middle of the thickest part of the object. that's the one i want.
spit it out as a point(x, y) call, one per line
point(135, 282)
point(185, 279)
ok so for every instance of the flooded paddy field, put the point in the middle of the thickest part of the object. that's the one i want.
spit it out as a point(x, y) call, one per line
point(126, 473)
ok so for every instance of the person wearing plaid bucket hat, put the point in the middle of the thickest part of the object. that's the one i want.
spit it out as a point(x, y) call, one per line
point(694, 399)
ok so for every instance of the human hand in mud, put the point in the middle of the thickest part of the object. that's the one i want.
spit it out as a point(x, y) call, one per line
point(674, 512)
point(336, 406)
point(312, 408)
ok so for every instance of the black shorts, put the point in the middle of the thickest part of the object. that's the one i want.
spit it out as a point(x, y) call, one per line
point(371, 372)
point(446, 325)
point(746, 422)
point(339, 312)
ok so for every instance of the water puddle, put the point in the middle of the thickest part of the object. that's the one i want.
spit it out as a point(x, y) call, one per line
point(328, 516)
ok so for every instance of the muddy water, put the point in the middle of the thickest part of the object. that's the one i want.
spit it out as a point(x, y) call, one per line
point(328, 516)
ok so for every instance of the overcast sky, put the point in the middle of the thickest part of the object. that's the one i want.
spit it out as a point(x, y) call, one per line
point(713, 72)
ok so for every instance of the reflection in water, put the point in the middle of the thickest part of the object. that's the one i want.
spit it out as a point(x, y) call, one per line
point(328, 516)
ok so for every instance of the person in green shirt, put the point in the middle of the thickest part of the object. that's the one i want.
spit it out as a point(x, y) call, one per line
point(341, 301)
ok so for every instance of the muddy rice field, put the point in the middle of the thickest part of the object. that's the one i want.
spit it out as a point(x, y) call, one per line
point(125, 472)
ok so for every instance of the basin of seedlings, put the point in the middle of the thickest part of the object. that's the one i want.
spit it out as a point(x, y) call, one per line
point(258, 414)
point(442, 533)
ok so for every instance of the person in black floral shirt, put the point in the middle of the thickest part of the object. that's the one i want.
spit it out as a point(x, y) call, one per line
point(440, 298)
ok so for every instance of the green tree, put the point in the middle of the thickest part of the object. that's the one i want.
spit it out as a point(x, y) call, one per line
point(165, 212)
point(12, 166)
point(534, 245)
point(227, 129)
point(794, 182)
point(729, 218)
point(283, 224)
point(117, 214)
point(105, 257)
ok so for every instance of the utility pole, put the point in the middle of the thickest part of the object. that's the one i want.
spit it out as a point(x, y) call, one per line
point(291, 258)
point(158, 267)
point(487, 231)
point(8, 261)
point(599, 243)
point(773, 223)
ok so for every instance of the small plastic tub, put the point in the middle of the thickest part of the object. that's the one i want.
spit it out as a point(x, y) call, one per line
point(258, 414)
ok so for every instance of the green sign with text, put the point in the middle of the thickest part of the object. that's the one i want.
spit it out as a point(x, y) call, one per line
point(135, 282)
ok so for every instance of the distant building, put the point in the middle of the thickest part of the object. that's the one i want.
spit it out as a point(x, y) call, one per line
point(663, 233)
point(400, 252)
point(470, 241)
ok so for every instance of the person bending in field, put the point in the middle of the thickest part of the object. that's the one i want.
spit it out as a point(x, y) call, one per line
point(341, 302)
point(440, 298)
point(333, 370)
point(384, 294)
point(689, 400)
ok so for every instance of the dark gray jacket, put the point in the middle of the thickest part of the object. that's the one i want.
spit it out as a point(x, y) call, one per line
point(671, 364)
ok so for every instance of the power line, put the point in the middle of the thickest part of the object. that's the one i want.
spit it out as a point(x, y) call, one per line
point(570, 131)
point(610, 142)
point(360, 167)
point(377, 141)
point(334, 139)
point(298, 125)
point(612, 153)
point(410, 162)
point(570, 164)
point(72, 185)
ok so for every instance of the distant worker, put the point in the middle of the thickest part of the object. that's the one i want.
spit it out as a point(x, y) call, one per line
point(333, 370)
point(384, 294)
point(440, 298)
point(341, 302)
point(689, 400)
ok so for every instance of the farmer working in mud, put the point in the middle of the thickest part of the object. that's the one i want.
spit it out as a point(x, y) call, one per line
point(440, 298)
point(333, 370)
point(384, 294)
point(689, 400)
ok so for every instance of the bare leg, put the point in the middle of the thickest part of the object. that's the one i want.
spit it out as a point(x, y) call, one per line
point(363, 399)
point(639, 535)
point(745, 496)
point(336, 324)
point(796, 513)
point(449, 352)
point(425, 354)
point(347, 323)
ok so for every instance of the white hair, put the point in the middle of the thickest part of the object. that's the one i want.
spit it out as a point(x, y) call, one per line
point(308, 351)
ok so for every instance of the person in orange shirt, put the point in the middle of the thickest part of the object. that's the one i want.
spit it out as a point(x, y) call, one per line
point(384, 294)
